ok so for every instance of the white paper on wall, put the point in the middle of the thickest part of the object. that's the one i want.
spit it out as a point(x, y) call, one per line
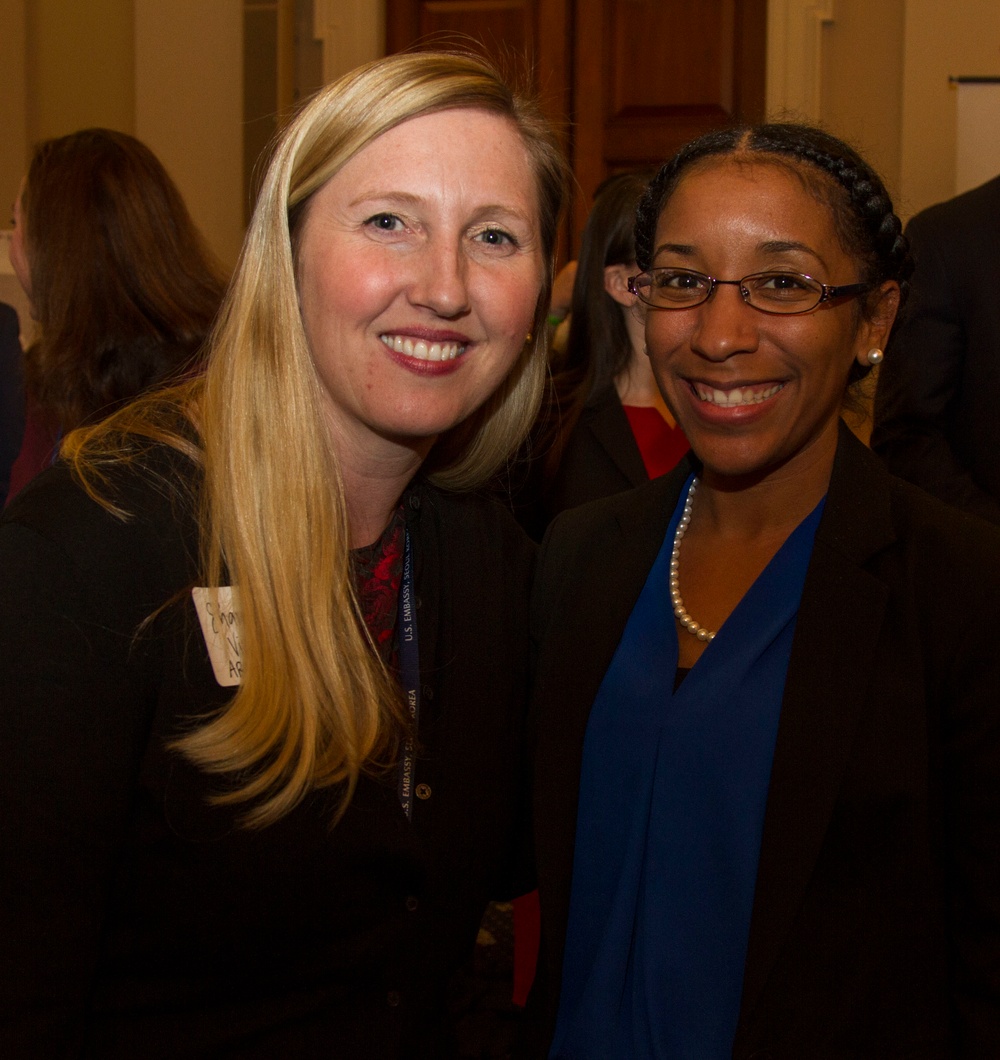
point(978, 105)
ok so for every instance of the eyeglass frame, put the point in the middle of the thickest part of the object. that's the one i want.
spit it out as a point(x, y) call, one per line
point(827, 291)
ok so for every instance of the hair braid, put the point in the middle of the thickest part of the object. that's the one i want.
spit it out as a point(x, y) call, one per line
point(863, 213)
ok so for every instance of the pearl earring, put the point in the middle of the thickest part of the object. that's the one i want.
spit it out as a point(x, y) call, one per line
point(875, 356)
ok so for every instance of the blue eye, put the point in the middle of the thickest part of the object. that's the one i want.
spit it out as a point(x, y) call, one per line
point(385, 222)
point(496, 237)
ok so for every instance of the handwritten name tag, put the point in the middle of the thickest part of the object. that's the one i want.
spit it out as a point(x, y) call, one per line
point(220, 623)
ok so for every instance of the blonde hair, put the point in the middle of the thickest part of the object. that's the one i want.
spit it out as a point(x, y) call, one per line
point(316, 706)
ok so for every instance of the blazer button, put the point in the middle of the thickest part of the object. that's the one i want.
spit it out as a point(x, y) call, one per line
point(427, 692)
point(393, 998)
point(411, 903)
point(423, 791)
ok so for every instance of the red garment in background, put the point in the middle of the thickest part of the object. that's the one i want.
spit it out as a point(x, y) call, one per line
point(38, 449)
point(660, 445)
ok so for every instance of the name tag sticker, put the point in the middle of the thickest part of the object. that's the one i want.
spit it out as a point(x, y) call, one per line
point(220, 623)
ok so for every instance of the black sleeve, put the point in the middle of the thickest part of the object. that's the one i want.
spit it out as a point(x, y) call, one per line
point(11, 396)
point(72, 728)
point(971, 774)
point(920, 380)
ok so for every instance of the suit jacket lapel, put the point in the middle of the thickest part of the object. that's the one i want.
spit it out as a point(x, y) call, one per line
point(610, 552)
point(833, 656)
point(610, 427)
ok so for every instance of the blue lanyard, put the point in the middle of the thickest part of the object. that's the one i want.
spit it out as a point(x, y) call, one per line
point(409, 668)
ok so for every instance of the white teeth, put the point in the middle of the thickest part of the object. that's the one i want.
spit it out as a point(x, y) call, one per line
point(736, 396)
point(423, 351)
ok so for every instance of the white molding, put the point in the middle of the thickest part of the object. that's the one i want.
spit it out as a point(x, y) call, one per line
point(794, 56)
point(352, 32)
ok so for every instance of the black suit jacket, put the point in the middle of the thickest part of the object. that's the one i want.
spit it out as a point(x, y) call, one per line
point(136, 918)
point(937, 405)
point(11, 396)
point(601, 457)
point(875, 930)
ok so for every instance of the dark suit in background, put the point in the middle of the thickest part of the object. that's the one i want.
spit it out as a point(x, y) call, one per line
point(601, 457)
point(11, 395)
point(937, 406)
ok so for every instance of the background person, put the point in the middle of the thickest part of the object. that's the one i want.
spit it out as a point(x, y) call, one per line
point(937, 404)
point(266, 823)
point(121, 284)
point(604, 426)
point(766, 761)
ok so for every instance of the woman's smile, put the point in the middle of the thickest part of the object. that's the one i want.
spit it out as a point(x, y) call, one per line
point(754, 391)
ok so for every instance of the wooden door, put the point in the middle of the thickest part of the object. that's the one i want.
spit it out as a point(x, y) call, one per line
point(628, 81)
point(652, 74)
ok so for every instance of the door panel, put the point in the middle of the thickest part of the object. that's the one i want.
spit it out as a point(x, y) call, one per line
point(628, 81)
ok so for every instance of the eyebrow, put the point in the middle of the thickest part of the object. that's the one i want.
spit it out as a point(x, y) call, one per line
point(771, 246)
point(384, 196)
point(407, 198)
point(780, 246)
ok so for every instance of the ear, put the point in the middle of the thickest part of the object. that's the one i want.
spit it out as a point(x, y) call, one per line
point(873, 334)
point(616, 283)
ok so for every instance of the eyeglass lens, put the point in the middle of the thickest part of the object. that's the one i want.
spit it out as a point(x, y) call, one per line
point(774, 292)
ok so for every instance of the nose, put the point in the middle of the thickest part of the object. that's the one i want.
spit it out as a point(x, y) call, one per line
point(726, 325)
point(440, 281)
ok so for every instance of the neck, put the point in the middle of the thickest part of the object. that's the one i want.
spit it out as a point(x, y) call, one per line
point(770, 504)
point(373, 484)
point(637, 386)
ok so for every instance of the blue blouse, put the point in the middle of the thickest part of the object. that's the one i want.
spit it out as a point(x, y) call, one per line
point(673, 788)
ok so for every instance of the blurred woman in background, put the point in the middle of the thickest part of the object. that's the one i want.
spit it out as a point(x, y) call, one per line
point(122, 287)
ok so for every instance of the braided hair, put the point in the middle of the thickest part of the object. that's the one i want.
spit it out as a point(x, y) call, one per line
point(862, 211)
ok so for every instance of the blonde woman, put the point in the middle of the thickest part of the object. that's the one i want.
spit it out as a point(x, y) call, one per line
point(261, 663)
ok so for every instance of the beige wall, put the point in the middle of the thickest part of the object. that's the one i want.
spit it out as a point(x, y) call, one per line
point(80, 66)
point(862, 80)
point(64, 65)
point(13, 94)
point(167, 71)
point(960, 38)
point(170, 71)
point(189, 106)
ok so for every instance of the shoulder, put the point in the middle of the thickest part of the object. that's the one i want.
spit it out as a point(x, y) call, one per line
point(905, 535)
point(8, 321)
point(468, 523)
point(607, 544)
point(628, 510)
point(974, 213)
point(149, 509)
point(956, 546)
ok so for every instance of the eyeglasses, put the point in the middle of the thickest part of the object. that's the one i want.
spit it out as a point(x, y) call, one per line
point(770, 292)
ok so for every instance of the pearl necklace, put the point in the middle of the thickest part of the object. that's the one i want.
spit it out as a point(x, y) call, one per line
point(680, 611)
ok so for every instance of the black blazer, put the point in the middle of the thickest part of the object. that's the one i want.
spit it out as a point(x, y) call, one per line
point(11, 396)
point(876, 922)
point(601, 457)
point(937, 405)
point(136, 918)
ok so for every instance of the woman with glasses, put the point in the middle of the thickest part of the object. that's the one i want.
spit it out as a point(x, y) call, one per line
point(767, 698)
point(263, 651)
